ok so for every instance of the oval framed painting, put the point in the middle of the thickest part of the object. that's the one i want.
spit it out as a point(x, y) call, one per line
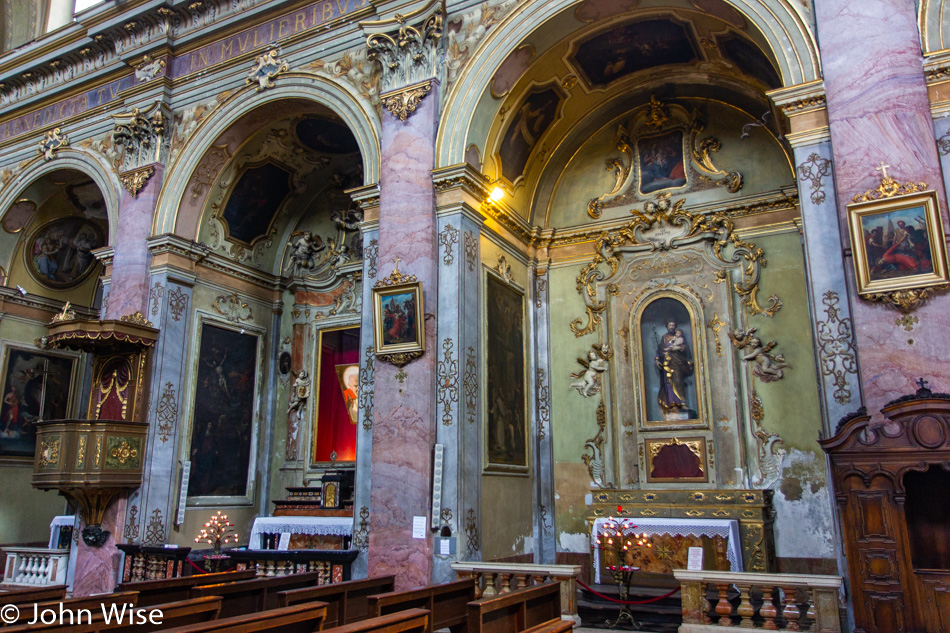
point(59, 254)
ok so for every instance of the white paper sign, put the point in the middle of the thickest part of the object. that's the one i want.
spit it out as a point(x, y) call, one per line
point(284, 542)
point(694, 562)
point(418, 527)
point(444, 549)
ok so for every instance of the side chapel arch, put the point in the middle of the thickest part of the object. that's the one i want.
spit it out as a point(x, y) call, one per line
point(790, 38)
point(172, 214)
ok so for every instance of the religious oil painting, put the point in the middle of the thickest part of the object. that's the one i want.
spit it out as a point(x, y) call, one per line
point(630, 48)
point(224, 409)
point(36, 386)
point(338, 397)
point(746, 55)
point(676, 460)
point(534, 116)
point(397, 318)
point(898, 243)
point(506, 419)
point(661, 162)
point(326, 137)
point(254, 201)
point(667, 353)
point(59, 254)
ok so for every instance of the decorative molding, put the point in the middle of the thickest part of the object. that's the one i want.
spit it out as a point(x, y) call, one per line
point(155, 297)
point(401, 358)
point(716, 324)
point(155, 530)
point(53, 141)
point(447, 238)
point(134, 180)
point(177, 303)
point(471, 251)
point(131, 530)
point(470, 385)
point(166, 413)
point(402, 103)
point(371, 253)
point(412, 52)
point(544, 403)
point(905, 300)
point(447, 381)
point(503, 269)
point(395, 278)
point(267, 66)
point(593, 457)
point(837, 355)
point(232, 308)
point(889, 188)
point(770, 454)
point(148, 68)
point(136, 318)
point(812, 171)
point(142, 134)
point(361, 536)
point(471, 533)
point(367, 382)
point(208, 169)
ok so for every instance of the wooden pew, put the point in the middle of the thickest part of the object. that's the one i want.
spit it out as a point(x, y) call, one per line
point(408, 621)
point(173, 614)
point(446, 603)
point(93, 604)
point(248, 596)
point(301, 618)
point(554, 626)
point(174, 589)
point(30, 595)
point(516, 611)
point(346, 601)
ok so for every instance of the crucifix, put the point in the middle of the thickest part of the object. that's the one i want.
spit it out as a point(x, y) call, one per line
point(921, 383)
point(883, 169)
point(396, 261)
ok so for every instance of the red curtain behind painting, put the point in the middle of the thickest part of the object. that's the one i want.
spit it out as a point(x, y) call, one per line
point(113, 391)
point(335, 431)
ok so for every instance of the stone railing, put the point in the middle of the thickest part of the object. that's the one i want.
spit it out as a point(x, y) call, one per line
point(776, 602)
point(497, 578)
point(35, 566)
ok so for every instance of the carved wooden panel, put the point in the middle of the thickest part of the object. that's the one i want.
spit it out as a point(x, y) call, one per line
point(880, 567)
point(936, 594)
point(886, 611)
point(872, 515)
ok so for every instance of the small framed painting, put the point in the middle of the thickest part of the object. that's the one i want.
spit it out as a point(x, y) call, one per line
point(898, 243)
point(398, 327)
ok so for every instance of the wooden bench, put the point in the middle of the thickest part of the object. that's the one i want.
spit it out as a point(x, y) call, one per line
point(446, 604)
point(301, 618)
point(31, 596)
point(346, 601)
point(516, 611)
point(153, 592)
point(408, 621)
point(93, 604)
point(174, 614)
point(554, 626)
point(248, 596)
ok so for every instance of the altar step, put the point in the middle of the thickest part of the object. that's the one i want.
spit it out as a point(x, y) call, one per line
point(663, 616)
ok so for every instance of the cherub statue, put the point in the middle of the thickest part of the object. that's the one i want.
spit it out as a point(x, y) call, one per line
point(768, 367)
point(347, 219)
point(594, 366)
point(306, 246)
point(299, 394)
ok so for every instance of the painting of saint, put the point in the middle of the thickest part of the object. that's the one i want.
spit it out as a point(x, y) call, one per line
point(666, 334)
point(59, 254)
point(399, 318)
point(349, 377)
point(254, 200)
point(35, 387)
point(896, 243)
point(506, 418)
point(661, 162)
point(629, 48)
point(532, 119)
point(224, 410)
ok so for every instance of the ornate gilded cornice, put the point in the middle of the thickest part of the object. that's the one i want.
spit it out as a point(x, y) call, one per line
point(134, 180)
point(462, 176)
point(801, 98)
point(142, 134)
point(403, 102)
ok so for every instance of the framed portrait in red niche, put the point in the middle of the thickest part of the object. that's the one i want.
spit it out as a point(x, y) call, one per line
point(676, 460)
point(338, 391)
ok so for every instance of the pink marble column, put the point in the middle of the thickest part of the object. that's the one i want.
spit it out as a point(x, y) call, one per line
point(128, 290)
point(404, 406)
point(97, 567)
point(879, 111)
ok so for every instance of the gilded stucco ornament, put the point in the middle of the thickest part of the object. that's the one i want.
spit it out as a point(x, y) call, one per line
point(134, 180)
point(52, 141)
point(402, 103)
point(664, 225)
point(593, 457)
point(767, 367)
point(266, 68)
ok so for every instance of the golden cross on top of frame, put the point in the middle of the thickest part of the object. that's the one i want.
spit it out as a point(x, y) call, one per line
point(396, 261)
point(883, 169)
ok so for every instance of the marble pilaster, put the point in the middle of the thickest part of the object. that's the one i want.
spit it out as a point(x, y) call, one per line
point(879, 111)
point(539, 391)
point(404, 398)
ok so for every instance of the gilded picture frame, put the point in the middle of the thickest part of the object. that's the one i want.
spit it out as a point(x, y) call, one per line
point(898, 244)
point(398, 323)
point(662, 468)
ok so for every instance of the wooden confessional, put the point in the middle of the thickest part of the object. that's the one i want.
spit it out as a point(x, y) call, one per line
point(892, 486)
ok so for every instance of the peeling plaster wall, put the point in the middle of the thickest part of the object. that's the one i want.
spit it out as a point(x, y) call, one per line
point(803, 527)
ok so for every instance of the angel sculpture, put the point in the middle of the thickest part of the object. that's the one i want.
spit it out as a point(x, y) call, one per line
point(300, 393)
point(594, 366)
point(768, 367)
point(306, 248)
point(347, 220)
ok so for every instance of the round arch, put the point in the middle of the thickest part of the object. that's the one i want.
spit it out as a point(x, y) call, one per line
point(789, 36)
point(76, 160)
point(934, 24)
point(320, 90)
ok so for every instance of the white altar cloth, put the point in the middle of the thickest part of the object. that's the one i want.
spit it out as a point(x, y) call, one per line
point(729, 528)
point(331, 526)
point(69, 519)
